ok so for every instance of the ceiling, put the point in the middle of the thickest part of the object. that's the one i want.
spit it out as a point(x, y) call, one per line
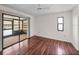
point(41, 9)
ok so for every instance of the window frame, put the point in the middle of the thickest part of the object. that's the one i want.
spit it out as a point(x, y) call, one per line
point(60, 23)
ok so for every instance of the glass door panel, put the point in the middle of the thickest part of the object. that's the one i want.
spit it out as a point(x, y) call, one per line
point(10, 30)
point(7, 28)
point(23, 29)
point(16, 27)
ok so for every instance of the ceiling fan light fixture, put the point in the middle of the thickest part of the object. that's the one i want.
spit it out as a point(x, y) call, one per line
point(39, 8)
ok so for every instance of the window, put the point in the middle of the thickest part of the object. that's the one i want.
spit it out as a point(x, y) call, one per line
point(7, 28)
point(60, 24)
point(16, 25)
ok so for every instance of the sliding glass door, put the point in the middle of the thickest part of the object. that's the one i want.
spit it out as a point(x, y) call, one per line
point(23, 29)
point(10, 30)
point(15, 29)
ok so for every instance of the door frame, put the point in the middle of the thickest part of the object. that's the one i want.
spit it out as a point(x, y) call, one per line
point(12, 29)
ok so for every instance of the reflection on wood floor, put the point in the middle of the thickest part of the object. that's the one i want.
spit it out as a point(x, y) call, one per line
point(13, 39)
point(41, 46)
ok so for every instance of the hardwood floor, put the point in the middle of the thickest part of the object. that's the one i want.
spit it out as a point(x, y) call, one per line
point(13, 39)
point(41, 46)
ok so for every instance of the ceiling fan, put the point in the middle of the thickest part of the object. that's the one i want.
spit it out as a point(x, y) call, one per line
point(41, 8)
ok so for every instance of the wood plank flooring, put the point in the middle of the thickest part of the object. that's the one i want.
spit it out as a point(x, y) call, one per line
point(41, 46)
point(13, 39)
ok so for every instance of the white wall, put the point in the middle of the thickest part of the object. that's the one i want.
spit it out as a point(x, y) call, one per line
point(75, 23)
point(17, 13)
point(46, 26)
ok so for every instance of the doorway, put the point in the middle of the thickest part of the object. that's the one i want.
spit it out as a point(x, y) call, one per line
point(15, 29)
